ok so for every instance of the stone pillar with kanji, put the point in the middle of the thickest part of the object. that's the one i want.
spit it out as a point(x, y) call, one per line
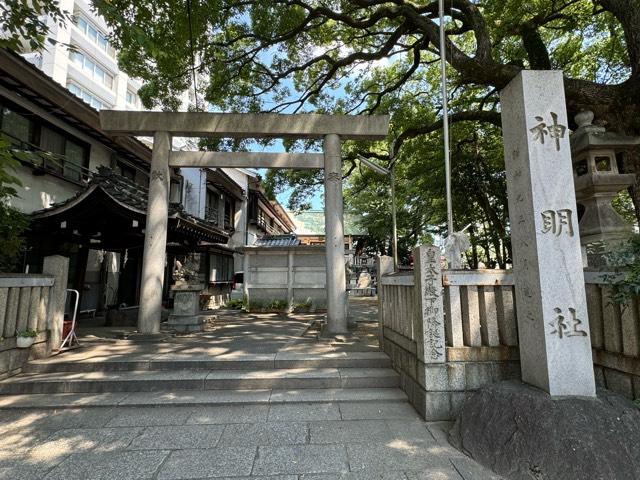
point(428, 326)
point(553, 327)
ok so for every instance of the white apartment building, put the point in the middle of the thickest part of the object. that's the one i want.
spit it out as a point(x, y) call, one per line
point(89, 70)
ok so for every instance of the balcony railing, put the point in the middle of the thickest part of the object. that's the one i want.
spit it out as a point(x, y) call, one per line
point(43, 161)
point(270, 230)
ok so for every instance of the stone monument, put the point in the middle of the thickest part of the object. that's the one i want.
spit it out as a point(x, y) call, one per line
point(429, 320)
point(454, 247)
point(185, 316)
point(553, 327)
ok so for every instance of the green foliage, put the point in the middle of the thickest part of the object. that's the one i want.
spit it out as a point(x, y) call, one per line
point(24, 24)
point(625, 260)
point(235, 304)
point(13, 223)
point(267, 306)
point(381, 57)
point(303, 307)
point(623, 205)
point(347, 56)
point(27, 333)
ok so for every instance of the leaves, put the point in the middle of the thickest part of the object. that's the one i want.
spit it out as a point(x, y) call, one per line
point(382, 57)
point(25, 23)
point(625, 259)
point(12, 222)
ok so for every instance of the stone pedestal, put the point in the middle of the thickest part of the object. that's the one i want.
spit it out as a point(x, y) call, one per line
point(58, 266)
point(185, 317)
point(553, 326)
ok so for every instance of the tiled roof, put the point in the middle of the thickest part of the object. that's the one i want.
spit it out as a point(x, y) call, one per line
point(132, 196)
point(277, 241)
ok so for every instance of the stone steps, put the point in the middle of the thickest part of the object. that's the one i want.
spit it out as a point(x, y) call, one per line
point(170, 362)
point(175, 380)
point(187, 398)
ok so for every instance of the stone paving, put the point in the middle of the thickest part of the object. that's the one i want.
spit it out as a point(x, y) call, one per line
point(306, 435)
point(310, 441)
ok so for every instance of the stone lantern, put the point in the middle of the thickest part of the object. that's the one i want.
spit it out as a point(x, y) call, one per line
point(597, 182)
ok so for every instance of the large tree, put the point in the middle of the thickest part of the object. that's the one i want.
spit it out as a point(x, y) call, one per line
point(297, 55)
point(369, 56)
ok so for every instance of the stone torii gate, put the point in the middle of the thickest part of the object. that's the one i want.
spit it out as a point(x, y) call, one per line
point(165, 125)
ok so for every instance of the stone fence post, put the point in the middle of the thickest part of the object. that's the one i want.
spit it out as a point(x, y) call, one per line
point(428, 319)
point(384, 266)
point(58, 267)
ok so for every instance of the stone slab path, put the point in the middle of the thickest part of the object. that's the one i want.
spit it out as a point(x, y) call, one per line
point(311, 441)
point(261, 434)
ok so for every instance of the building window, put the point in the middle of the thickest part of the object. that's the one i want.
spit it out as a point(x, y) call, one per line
point(75, 156)
point(127, 172)
point(221, 268)
point(95, 35)
point(175, 190)
point(211, 208)
point(132, 98)
point(38, 143)
point(229, 214)
point(81, 93)
point(17, 127)
point(92, 69)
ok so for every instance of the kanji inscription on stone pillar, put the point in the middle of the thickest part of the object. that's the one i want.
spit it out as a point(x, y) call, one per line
point(429, 318)
point(555, 349)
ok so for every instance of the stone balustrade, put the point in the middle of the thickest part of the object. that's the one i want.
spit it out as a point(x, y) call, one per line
point(31, 302)
point(397, 308)
point(615, 337)
point(482, 336)
point(480, 310)
point(24, 302)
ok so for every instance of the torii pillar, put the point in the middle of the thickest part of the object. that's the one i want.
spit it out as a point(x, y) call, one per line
point(334, 237)
point(155, 237)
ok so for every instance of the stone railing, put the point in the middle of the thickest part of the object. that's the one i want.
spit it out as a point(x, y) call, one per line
point(31, 302)
point(615, 337)
point(481, 334)
point(479, 308)
point(396, 309)
point(478, 324)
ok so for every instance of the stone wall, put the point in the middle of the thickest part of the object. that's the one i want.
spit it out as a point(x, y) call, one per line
point(285, 278)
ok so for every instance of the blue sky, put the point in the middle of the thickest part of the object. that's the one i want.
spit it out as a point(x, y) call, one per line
point(283, 198)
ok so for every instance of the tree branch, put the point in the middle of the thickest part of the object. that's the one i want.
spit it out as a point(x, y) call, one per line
point(470, 116)
point(627, 12)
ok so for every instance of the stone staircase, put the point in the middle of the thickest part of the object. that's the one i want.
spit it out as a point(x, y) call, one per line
point(240, 359)
point(184, 380)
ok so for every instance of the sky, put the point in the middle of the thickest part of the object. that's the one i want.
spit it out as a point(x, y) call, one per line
point(283, 198)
